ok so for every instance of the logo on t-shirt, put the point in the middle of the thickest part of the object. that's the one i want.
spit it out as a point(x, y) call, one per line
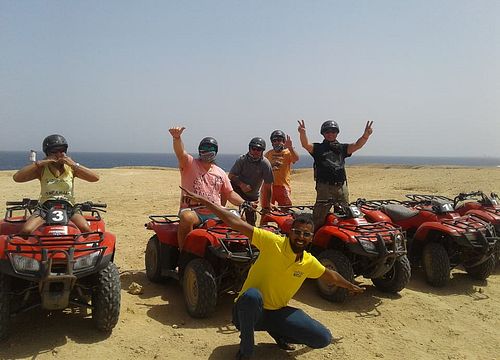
point(298, 273)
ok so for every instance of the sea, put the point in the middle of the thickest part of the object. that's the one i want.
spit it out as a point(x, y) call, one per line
point(12, 160)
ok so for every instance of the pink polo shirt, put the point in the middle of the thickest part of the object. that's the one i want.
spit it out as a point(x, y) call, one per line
point(209, 184)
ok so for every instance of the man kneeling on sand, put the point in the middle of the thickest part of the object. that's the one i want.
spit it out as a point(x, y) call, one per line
point(281, 268)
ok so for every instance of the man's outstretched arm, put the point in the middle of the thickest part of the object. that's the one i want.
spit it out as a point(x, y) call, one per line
point(229, 218)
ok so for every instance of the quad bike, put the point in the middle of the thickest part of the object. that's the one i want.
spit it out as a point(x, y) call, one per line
point(487, 207)
point(352, 246)
point(215, 259)
point(439, 238)
point(57, 266)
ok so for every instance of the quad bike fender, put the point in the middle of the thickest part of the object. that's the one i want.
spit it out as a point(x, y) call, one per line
point(198, 240)
point(426, 228)
point(485, 215)
point(12, 226)
point(376, 216)
point(284, 223)
point(166, 233)
point(326, 233)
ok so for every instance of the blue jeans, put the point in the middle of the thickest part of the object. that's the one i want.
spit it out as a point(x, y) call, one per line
point(287, 324)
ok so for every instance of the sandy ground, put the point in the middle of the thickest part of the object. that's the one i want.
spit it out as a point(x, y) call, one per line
point(460, 321)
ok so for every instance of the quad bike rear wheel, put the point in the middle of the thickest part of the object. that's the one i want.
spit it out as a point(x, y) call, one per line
point(106, 298)
point(4, 306)
point(483, 270)
point(152, 259)
point(436, 264)
point(335, 260)
point(200, 288)
point(396, 278)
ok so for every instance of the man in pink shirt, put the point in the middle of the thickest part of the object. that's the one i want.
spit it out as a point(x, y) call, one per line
point(202, 177)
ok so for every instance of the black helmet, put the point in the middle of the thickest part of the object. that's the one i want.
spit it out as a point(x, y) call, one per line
point(208, 143)
point(258, 143)
point(53, 142)
point(329, 125)
point(278, 134)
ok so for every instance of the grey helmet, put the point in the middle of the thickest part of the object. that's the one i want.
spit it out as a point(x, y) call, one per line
point(258, 143)
point(53, 142)
point(329, 125)
point(208, 148)
point(278, 134)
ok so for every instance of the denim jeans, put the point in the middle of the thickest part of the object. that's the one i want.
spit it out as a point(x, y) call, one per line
point(287, 324)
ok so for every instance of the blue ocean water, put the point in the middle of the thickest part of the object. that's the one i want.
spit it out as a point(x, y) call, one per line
point(12, 160)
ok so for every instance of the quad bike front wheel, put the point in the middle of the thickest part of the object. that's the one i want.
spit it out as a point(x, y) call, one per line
point(337, 261)
point(483, 270)
point(152, 259)
point(436, 264)
point(106, 298)
point(4, 306)
point(396, 278)
point(200, 288)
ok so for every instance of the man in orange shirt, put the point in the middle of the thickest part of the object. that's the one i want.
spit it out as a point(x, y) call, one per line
point(281, 157)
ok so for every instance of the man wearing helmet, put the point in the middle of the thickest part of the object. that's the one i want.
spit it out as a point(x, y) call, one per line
point(281, 157)
point(329, 165)
point(202, 177)
point(249, 172)
point(56, 174)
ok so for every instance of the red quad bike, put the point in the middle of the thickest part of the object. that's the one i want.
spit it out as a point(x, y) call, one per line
point(438, 236)
point(352, 246)
point(215, 259)
point(487, 207)
point(57, 266)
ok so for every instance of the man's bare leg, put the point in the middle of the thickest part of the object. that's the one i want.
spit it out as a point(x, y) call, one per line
point(188, 220)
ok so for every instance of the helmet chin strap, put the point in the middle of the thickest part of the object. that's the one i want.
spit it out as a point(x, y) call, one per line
point(278, 147)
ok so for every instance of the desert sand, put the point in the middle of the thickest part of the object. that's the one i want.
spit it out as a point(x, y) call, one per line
point(460, 321)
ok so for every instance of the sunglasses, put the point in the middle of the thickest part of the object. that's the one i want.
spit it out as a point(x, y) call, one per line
point(207, 148)
point(277, 139)
point(304, 234)
point(255, 148)
point(333, 131)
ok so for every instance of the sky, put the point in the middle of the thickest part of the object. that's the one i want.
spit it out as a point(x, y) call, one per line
point(114, 76)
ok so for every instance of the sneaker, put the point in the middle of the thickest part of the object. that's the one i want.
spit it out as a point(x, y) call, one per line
point(284, 345)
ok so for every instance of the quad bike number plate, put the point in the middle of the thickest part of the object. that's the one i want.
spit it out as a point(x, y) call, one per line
point(57, 216)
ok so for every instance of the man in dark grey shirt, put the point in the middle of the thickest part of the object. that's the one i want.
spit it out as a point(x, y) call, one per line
point(249, 172)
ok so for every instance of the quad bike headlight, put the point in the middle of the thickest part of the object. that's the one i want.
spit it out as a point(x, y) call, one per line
point(23, 263)
point(87, 261)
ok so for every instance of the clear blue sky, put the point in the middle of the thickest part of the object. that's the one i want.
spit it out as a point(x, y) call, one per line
point(115, 75)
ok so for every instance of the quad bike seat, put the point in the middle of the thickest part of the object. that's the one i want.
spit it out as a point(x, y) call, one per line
point(398, 212)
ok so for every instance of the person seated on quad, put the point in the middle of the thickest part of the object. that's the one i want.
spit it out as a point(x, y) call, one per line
point(201, 176)
point(56, 173)
point(262, 303)
point(251, 172)
point(329, 166)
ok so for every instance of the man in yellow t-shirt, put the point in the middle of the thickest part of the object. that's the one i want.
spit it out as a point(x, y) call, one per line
point(281, 268)
point(281, 157)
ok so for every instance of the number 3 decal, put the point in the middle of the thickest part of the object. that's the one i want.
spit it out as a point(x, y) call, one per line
point(57, 215)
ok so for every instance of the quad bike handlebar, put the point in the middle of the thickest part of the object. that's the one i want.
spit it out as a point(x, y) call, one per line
point(27, 203)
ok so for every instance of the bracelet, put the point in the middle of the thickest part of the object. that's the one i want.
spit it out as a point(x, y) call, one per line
point(77, 165)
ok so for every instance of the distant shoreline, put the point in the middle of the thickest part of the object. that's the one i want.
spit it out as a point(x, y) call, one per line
point(11, 160)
